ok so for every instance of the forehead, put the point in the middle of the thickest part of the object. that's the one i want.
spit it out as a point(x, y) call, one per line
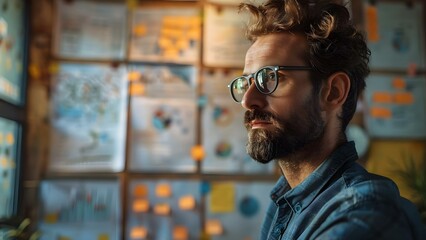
point(276, 49)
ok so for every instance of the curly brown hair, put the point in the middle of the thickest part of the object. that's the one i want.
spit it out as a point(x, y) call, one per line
point(334, 44)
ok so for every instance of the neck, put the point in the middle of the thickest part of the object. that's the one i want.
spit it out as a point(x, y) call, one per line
point(297, 167)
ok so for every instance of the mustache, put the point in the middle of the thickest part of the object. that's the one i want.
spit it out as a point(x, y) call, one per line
point(251, 115)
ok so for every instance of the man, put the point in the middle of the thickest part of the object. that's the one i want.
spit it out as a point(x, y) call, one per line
point(303, 75)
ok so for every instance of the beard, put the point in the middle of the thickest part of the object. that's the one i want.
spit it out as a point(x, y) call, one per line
point(288, 136)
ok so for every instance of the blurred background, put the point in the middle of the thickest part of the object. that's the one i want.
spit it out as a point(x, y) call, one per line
point(116, 120)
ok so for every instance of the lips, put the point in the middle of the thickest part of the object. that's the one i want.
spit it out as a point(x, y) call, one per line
point(259, 124)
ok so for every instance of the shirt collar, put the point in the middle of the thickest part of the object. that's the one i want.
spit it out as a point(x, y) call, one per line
point(303, 194)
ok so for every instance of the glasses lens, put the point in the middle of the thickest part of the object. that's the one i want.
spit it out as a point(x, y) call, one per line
point(238, 88)
point(266, 80)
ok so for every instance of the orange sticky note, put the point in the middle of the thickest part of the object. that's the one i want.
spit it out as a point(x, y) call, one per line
point(138, 233)
point(197, 152)
point(399, 83)
point(382, 97)
point(133, 76)
point(141, 190)
point(180, 233)
point(378, 112)
point(137, 89)
point(404, 98)
point(140, 205)
point(372, 23)
point(140, 30)
point(163, 190)
point(162, 209)
point(214, 227)
point(187, 202)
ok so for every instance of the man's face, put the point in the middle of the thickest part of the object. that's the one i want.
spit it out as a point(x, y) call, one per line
point(281, 123)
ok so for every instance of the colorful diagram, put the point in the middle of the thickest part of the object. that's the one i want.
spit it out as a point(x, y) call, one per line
point(12, 29)
point(8, 148)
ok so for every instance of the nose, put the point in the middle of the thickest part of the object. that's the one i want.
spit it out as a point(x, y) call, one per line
point(253, 99)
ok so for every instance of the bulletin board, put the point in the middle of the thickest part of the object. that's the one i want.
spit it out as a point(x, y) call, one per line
point(395, 106)
point(88, 30)
point(80, 209)
point(88, 118)
point(9, 142)
point(395, 33)
point(12, 50)
point(165, 34)
point(164, 209)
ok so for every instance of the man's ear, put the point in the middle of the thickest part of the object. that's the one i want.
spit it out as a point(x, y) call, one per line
point(335, 91)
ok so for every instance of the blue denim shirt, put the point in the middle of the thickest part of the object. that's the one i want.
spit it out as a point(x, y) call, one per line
point(341, 200)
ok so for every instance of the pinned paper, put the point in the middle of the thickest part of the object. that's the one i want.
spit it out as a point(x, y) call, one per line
point(222, 198)
point(372, 22)
point(180, 233)
point(141, 190)
point(187, 202)
point(140, 205)
point(163, 190)
point(197, 153)
point(103, 236)
point(138, 233)
point(214, 227)
point(162, 209)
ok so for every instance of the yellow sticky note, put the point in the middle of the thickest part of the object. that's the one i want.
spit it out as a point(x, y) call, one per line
point(187, 202)
point(180, 233)
point(163, 190)
point(162, 209)
point(132, 4)
point(372, 23)
point(222, 198)
point(140, 205)
point(34, 71)
point(103, 236)
point(138, 233)
point(214, 227)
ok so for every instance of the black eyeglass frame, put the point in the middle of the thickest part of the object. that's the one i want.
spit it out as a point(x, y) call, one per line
point(254, 76)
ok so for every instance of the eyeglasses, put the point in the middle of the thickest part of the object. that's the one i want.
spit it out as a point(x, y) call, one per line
point(265, 79)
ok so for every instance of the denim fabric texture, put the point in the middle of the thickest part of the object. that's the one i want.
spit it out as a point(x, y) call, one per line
point(341, 200)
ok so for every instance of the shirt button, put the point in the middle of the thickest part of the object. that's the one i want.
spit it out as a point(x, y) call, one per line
point(298, 208)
